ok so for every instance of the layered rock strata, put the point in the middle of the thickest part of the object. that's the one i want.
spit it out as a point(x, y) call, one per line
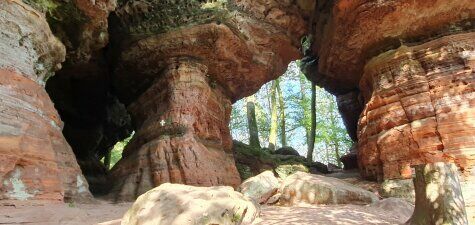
point(420, 107)
point(178, 71)
point(182, 134)
point(36, 162)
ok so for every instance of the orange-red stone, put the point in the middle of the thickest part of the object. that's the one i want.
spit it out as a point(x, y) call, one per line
point(182, 137)
point(420, 108)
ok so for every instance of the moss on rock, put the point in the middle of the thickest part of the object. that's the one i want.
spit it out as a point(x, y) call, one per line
point(252, 161)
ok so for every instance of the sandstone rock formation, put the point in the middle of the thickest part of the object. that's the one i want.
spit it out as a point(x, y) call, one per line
point(36, 162)
point(398, 188)
point(178, 73)
point(317, 189)
point(261, 187)
point(411, 65)
point(402, 72)
point(183, 135)
point(176, 204)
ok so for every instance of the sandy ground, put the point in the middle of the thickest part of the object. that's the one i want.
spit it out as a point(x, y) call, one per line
point(105, 213)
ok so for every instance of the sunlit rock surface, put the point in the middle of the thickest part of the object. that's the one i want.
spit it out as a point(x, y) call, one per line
point(302, 187)
point(411, 63)
point(36, 162)
point(177, 204)
point(261, 187)
point(178, 67)
point(182, 137)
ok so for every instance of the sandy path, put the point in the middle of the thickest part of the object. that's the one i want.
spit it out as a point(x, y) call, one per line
point(105, 213)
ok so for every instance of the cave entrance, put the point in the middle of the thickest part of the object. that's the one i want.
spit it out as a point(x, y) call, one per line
point(94, 119)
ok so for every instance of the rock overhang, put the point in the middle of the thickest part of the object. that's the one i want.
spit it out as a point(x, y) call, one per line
point(241, 50)
point(356, 31)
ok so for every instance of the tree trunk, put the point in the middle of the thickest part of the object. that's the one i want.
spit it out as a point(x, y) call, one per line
point(337, 154)
point(439, 197)
point(283, 137)
point(107, 159)
point(311, 143)
point(273, 120)
point(303, 99)
point(252, 121)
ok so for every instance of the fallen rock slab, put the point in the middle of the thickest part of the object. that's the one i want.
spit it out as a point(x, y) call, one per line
point(401, 207)
point(261, 187)
point(177, 204)
point(316, 189)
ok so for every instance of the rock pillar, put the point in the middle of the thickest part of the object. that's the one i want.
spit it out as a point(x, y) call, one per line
point(36, 162)
point(182, 134)
point(420, 108)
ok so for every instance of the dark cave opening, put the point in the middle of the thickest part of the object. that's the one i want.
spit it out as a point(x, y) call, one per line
point(94, 119)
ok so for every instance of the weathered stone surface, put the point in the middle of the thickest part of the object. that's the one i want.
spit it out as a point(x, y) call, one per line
point(27, 45)
point(81, 25)
point(252, 161)
point(398, 188)
point(261, 187)
point(419, 107)
point(241, 51)
point(35, 160)
point(317, 189)
point(182, 137)
point(176, 204)
point(359, 30)
point(401, 208)
point(350, 159)
point(350, 108)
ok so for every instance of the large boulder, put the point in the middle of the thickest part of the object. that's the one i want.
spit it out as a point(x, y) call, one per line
point(400, 208)
point(178, 204)
point(286, 150)
point(261, 187)
point(317, 189)
point(251, 161)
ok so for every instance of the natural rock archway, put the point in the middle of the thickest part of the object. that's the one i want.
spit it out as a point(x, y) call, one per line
point(403, 72)
point(179, 72)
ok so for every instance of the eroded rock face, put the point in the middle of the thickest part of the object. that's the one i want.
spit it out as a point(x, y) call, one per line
point(419, 107)
point(80, 24)
point(182, 137)
point(177, 204)
point(412, 63)
point(261, 187)
point(178, 67)
point(36, 162)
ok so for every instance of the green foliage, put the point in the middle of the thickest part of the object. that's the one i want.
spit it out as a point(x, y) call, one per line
point(251, 161)
point(331, 135)
point(116, 152)
point(244, 171)
point(289, 169)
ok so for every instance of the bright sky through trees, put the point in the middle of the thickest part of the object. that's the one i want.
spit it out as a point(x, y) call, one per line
point(330, 132)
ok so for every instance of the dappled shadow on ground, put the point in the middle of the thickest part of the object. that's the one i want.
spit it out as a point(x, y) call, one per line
point(47, 213)
point(105, 213)
point(328, 215)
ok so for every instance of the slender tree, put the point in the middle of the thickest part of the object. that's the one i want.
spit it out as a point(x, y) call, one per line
point(273, 122)
point(304, 119)
point(252, 121)
point(283, 135)
point(313, 127)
